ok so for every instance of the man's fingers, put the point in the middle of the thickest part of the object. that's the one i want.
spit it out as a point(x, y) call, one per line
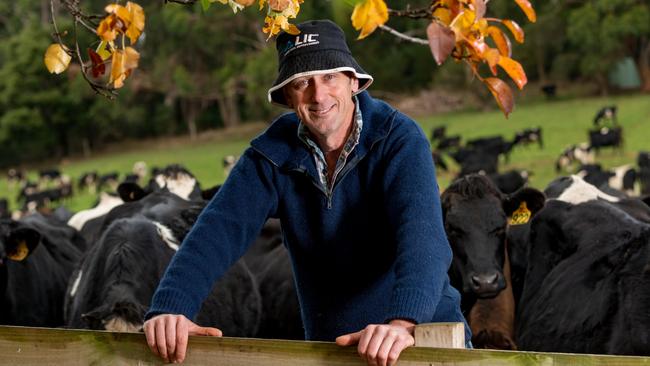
point(170, 337)
point(349, 339)
point(204, 331)
point(181, 341)
point(396, 350)
point(161, 342)
point(150, 333)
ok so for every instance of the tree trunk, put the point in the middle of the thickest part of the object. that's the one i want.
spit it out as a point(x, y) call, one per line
point(643, 64)
point(190, 110)
point(539, 56)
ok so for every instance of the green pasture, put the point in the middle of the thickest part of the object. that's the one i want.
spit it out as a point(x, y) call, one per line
point(564, 122)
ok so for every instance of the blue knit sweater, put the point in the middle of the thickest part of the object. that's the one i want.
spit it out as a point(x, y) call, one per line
point(374, 251)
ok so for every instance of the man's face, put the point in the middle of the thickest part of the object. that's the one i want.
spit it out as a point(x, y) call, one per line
point(323, 102)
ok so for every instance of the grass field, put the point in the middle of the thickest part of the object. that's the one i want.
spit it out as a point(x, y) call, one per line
point(563, 122)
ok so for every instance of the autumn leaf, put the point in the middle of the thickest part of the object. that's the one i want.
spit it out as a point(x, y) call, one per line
point(273, 26)
point(501, 40)
point(136, 27)
point(514, 70)
point(502, 93)
point(107, 30)
point(442, 41)
point(103, 51)
point(56, 58)
point(368, 15)
point(526, 6)
point(492, 57)
point(123, 62)
point(515, 29)
point(443, 15)
point(234, 5)
point(98, 67)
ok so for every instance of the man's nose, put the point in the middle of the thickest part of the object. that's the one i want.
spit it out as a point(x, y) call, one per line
point(319, 91)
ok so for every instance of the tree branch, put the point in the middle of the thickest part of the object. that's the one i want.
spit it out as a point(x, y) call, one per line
point(403, 36)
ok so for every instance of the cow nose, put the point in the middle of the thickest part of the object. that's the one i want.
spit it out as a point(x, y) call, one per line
point(485, 282)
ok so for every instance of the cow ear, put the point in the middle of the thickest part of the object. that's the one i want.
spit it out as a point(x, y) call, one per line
point(646, 200)
point(94, 318)
point(22, 243)
point(522, 205)
point(130, 192)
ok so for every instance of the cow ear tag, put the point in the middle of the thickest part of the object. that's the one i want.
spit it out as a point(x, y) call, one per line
point(19, 253)
point(521, 215)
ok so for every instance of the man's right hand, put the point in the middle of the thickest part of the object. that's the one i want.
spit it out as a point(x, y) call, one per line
point(167, 335)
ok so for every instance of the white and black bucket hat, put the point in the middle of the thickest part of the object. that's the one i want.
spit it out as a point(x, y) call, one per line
point(320, 48)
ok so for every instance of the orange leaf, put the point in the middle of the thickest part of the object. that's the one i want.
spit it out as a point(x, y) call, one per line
point(368, 15)
point(98, 68)
point(492, 57)
point(514, 70)
point(501, 40)
point(515, 29)
point(442, 41)
point(123, 62)
point(528, 9)
point(443, 15)
point(502, 93)
point(56, 58)
point(107, 28)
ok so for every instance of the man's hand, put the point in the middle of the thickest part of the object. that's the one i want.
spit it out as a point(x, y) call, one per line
point(167, 335)
point(381, 344)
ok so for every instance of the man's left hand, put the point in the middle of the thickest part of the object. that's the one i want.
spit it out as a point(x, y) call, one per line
point(381, 344)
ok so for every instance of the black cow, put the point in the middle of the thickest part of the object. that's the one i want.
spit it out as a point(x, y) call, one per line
point(448, 142)
point(438, 133)
point(606, 137)
point(15, 176)
point(529, 136)
point(475, 161)
point(114, 284)
point(606, 114)
point(37, 257)
point(643, 161)
point(269, 261)
point(475, 215)
point(108, 181)
point(549, 90)
point(439, 161)
point(177, 179)
point(88, 181)
point(587, 285)
point(48, 174)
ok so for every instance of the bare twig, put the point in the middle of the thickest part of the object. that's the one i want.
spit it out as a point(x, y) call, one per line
point(184, 2)
point(403, 36)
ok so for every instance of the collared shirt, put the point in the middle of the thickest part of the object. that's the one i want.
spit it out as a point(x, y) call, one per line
point(319, 158)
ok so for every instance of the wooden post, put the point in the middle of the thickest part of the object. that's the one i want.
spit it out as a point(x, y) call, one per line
point(440, 335)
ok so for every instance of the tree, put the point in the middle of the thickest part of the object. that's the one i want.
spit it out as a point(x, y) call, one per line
point(606, 30)
point(456, 28)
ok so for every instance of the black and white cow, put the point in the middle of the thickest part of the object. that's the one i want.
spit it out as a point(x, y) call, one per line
point(587, 285)
point(113, 286)
point(37, 257)
point(606, 137)
point(528, 136)
point(606, 114)
point(580, 154)
point(643, 162)
point(510, 181)
point(177, 179)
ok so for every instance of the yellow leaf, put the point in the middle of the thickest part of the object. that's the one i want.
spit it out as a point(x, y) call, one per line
point(515, 29)
point(262, 2)
point(492, 57)
point(123, 62)
point(137, 21)
point(514, 70)
point(368, 15)
point(528, 9)
point(56, 58)
point(443, 15)
point(502, 42)
point(502, 93)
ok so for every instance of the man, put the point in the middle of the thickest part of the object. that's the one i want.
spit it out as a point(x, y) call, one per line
point(353, 183)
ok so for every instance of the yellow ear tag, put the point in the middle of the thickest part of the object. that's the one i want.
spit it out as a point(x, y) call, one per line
point(19, 253)
point(521, 215)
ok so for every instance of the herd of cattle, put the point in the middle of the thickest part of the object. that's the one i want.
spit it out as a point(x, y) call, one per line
point(566, 269)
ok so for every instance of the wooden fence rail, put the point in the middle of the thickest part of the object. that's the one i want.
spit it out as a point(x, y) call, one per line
point(45, 346)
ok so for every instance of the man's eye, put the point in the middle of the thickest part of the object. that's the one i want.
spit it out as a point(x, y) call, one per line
point(329, 76)
point(299, 84)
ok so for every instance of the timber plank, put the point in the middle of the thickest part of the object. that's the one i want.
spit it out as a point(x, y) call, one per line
point(44, 346)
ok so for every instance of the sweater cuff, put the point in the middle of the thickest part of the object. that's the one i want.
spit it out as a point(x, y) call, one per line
point(167, 301)
point(411, 304)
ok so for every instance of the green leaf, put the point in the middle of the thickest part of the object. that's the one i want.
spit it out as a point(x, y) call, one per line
point(205, 4)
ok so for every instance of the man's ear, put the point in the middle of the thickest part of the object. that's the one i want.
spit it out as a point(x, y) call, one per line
point(355, 83)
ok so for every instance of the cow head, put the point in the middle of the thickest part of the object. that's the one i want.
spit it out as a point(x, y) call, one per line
point(476, 216)
point(121, 316)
